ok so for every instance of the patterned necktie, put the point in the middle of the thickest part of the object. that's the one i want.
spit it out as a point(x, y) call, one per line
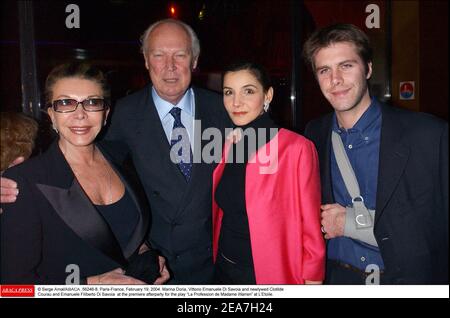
point(179, 140)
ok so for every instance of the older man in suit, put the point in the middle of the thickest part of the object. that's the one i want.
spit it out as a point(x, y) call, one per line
point(152, 121)
point(396, 231)
point(161, 127)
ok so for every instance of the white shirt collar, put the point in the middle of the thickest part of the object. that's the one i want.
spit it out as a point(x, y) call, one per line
point(163, 107)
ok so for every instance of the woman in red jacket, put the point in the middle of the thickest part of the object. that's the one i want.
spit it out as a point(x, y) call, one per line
point(266, 195)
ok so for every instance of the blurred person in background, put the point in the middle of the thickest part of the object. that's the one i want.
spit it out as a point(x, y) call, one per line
point(17, 135)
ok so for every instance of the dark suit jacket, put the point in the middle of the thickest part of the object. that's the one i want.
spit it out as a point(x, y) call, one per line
point(181, 227)
point(411, 220)
point(53, 224)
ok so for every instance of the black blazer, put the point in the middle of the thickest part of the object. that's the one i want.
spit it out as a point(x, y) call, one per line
point(411, 219)
point(53, 224)
point(181, 227)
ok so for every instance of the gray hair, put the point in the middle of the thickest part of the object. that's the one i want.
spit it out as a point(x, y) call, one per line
point(195, 43)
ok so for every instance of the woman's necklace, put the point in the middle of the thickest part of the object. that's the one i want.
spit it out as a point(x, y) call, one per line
point(110, 182)
point(108, 176)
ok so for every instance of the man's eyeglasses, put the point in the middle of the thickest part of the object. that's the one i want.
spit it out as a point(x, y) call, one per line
point(70, 105)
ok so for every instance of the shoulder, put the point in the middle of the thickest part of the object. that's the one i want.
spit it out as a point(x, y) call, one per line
point(212, 107)
point(208, 99)
point(127, 110)
point(26, 175)
point(318, 125)
point(142, 93)
point(293, 141)
point(30, 170)
point(415, 123)
point(206, 93)
point(135, 100)
point(41, 168)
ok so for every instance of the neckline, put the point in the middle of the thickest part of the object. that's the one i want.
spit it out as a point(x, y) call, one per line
point(262, 121)
point(113, 203)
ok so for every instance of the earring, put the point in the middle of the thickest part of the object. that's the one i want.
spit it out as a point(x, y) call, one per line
point(266, 106)
point(55, 129)
point(104, 123)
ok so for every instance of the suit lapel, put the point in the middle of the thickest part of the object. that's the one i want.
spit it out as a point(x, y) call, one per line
point(199, 143)
point(201, 172)
point(75, 209)
point(141, 228)
point(393, 158)
point(324, 150)
point(152, 132)
point(71, 203)
point(68, 199)
point(202, 118)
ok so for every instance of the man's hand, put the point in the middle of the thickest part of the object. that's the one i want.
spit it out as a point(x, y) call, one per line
point(163, 271)
point(8, 188)
point(313, 282)
point(333, 220)
point(8, 191)
point(16, 161)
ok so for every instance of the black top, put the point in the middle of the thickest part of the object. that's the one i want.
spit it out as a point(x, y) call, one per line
point(53, 224)
point(234, 241)
point(122, 217)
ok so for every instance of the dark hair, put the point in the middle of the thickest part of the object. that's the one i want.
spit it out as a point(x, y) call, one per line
point(255, 69)
point(17, 135)
point(335, 33)
point(81, 70)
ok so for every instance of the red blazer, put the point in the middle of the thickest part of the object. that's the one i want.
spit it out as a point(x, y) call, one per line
point(283, 206)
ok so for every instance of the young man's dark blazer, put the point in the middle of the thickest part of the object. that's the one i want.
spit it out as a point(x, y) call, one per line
point(54, 224)
point(411, 220)
point(181, 227)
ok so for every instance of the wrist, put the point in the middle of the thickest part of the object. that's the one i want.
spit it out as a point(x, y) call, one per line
point(92, 280)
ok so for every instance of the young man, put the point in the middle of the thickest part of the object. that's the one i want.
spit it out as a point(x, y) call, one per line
point(400, 160)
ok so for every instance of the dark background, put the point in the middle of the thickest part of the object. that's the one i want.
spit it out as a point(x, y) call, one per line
point(411, 44)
